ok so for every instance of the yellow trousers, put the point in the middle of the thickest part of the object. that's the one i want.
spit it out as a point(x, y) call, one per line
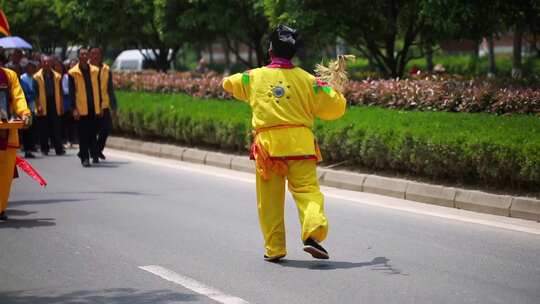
point(304, 187)
point(7, 167)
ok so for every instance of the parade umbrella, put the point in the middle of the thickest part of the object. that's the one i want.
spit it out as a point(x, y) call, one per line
point(14, 42)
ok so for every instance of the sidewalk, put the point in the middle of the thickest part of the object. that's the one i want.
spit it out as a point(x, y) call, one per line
point(478, 201)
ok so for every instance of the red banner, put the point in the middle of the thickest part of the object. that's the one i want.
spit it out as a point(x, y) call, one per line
point(4, 25)
point(28, 169)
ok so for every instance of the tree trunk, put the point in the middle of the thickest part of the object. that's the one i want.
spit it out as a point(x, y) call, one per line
point(238, 53)
point(227, 59)
point(64, 52)
point(491, 57)
point(516, 53)
point(474, 57)
point(429, 57)
point(340, 46)
point(211, 53)
point(259, 54)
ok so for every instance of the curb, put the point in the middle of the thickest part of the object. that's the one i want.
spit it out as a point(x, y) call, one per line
point(472, 200)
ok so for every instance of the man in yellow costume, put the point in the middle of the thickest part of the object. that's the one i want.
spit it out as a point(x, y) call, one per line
point(285, 100)
point(12, 102)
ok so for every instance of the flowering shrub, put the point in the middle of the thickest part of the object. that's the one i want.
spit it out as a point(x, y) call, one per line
point(194, 84)
point(444, 94)
point(435, 93)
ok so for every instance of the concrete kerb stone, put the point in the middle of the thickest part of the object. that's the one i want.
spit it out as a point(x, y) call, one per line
point(218, 160)
point(116, 142)
point(133, 146)
point(320, 174)
point(483, 202)
point(385, 186)
point(150, 148)
point(194, 156)
point(344, 180)
point(171, 151)
point(525, 208)
point(243, 163)
point(431, 194)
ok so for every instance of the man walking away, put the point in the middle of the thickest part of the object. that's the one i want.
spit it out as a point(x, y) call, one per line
point(84, 91)
point(29, 86)
point(49, 107)
point(106, 96)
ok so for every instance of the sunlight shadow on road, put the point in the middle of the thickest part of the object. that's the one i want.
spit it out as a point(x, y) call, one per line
point(135, 193)
point(27, 223)
point(379, 264)
point(109, 164)
point(109, 296)
point(15, 212)
point(45, 201)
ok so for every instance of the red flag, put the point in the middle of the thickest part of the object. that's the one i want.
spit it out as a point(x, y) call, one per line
point(28, 169)
point(4, 25)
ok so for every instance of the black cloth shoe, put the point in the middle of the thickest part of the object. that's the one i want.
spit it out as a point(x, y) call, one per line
point(95, 160)
point(60, 152)
point(29, 155)
point(46, 153)
point(85, 163)
point(273, 259)
point(101, 156)
point(3, 216)
point(315, 249)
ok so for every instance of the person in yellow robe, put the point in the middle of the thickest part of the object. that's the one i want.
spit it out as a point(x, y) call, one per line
point(12, 96)
point(285, 100)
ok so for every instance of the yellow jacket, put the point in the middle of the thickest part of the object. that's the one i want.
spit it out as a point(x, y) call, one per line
point(17, 103)
point(281, 97)
point(80, 90)
point(42, 98)
point(104, 83)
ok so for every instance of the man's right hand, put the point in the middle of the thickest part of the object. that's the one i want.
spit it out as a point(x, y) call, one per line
point(76, 115)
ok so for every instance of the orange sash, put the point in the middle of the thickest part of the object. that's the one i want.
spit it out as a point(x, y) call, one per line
point(265, 163)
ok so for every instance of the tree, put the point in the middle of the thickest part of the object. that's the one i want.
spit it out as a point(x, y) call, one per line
point(235, 23)
point(37, 21)
point(156, 25)
point(464, 19)
point(383, 31)
point(522, 17)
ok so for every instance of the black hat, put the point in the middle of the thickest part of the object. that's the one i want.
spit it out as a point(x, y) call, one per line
point(284, 41)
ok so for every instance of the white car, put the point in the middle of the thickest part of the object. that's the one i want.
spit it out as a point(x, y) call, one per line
point(135, 60)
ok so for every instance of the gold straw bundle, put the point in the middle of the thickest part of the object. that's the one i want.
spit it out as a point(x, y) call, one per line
point(335, 73)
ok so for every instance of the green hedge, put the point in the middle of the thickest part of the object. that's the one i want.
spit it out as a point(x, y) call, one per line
point(480, 148)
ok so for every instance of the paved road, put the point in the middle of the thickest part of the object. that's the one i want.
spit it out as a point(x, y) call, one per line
point(84, 238)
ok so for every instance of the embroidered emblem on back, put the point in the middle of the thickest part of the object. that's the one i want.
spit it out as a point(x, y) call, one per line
point(278, 91)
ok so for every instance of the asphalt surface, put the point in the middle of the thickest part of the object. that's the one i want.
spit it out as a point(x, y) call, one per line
point(84, 238)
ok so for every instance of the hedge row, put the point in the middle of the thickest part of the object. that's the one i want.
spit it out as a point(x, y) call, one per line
point(479, 148)
point(449, 94)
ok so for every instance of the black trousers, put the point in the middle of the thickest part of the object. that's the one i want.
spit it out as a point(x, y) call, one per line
point(29, 136)
point(87, 127)
point(69, 128)
point(105, 128)
point(50, 128)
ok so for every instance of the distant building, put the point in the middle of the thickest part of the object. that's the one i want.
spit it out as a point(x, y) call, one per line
point(216, 54)
point(502, 45)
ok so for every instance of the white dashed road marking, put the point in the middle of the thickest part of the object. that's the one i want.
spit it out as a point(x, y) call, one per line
point(193, 285)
